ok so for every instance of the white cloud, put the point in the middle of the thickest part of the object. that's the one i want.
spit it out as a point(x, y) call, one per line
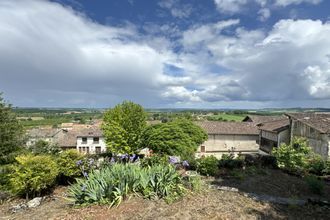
point(290, 62)
point(295, 2)
point(264, 14)
point(176, 8)
point(230, 6)
point(47, 50)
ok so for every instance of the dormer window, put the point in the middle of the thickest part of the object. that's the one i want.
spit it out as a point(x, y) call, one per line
point(84, 140)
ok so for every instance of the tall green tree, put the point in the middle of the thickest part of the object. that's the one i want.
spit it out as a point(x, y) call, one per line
point(11, 132)
point(123, 126)
point(180, 138)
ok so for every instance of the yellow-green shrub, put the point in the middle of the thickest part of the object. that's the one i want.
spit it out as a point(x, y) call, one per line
point(67, 163)
point(33, 174)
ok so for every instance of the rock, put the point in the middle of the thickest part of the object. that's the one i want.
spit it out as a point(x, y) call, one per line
point(34, 202)
point(18, 208)
point(226, 188)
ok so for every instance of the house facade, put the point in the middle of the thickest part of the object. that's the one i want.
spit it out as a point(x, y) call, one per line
point(91, 141)
point(274, 133)
point(228, 137)
point(315, 127)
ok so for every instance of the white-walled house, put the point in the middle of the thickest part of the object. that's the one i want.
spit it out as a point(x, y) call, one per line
point(228, 137)
point(91, 141)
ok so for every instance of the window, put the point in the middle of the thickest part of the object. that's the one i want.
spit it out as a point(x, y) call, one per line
point(84, 140)
point(97, 150)
point(80, 150)
point(96, 140)
point(203, 149)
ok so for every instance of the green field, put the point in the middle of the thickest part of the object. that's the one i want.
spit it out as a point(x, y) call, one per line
point(226, 117)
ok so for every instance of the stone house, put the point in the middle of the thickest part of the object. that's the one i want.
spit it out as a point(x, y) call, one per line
point(227, 137)
point(315, 127)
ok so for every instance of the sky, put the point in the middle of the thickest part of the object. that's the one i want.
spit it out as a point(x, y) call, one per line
point(165, 53)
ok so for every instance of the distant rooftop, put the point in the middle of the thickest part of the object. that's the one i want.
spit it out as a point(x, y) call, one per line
point(217, 127)
point(258, 119)
point(319, 120)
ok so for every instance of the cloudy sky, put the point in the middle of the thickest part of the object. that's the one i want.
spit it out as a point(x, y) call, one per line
point(165, 53)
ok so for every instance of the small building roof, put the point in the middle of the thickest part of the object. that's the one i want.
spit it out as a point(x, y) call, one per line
point(317, 120)
point(258, 119)
point(218, 127)
point(275, 126)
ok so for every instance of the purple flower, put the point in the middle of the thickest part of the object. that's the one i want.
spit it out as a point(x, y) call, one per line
point(173, 160)
point(112, 160)
point(91, 161)
point(85, 174)
point(185, 163)
point(131, 159)
point(79, 162)
point(124, 156)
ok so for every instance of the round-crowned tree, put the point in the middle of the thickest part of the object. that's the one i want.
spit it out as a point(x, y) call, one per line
point(123, 126)
point(180, 137)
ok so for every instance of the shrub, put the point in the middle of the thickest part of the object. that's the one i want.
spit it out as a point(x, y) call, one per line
point(33, 174)
point(292, 157)
point(155, 159)
point(44, 147)
point(195, 183)
point(68, 167)
point(229, 161)
point(113, 184)
point(314, 184)
point(316, 165)
point(207, 165)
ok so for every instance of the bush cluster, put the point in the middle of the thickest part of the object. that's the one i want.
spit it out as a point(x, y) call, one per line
point(33, 174)
point(113, 184)
point(298, 157)
point(207, 166)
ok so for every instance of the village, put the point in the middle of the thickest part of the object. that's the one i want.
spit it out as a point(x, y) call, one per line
point(255, 134)
point(164, 109)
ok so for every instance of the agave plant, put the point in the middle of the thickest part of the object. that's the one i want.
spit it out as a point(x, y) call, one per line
point(111, 185)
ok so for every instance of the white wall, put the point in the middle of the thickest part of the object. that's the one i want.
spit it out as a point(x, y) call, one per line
point(91, 145)
point(222, 144)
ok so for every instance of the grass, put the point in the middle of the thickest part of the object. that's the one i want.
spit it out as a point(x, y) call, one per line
point(226, 117)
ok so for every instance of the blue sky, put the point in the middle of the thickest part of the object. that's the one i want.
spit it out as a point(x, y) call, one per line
point(166, 53)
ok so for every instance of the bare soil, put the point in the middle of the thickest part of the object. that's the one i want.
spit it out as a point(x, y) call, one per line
point(208, 204)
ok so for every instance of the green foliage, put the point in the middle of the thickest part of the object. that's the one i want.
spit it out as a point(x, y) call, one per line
point(179, 137)
point(123, 126)
point(316, 165)
point(229, 161)
point(67, 163)
point(155, 159)
point(293, 157)
point(4, 177)
point(111, 185)
point(11, 133)
point(314, 184)
point(33, 174)
point(196, 183)
point(207, 166)
point(195, 132)
point(44, 147)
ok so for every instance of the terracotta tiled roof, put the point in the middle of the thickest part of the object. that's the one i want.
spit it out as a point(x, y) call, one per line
point(275, 126)
point(320, 121)
point(216, 127)
point(257, 119)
